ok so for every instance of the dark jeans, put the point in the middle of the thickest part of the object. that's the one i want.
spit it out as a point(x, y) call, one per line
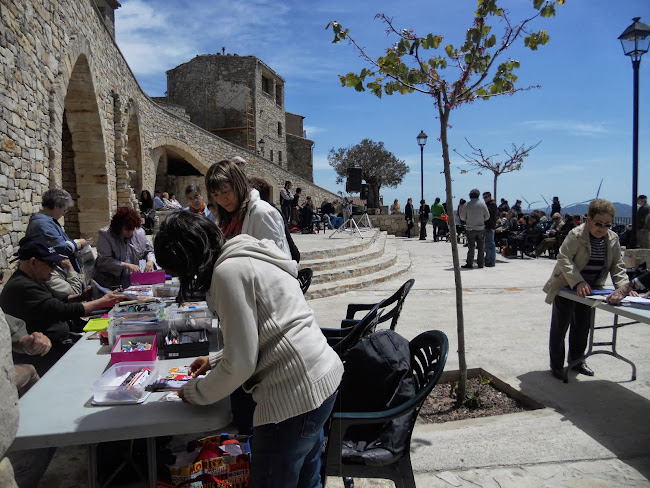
point(438, 225)
point(286, 213)
point(423, 230)
point(288, 454)
point(243, 408)
point(476, 239)
point(567, 313)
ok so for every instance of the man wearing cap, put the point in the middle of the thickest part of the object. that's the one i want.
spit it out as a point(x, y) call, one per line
point(27, 296)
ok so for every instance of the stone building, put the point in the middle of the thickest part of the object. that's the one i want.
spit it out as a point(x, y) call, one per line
point(241, 99)
point(72, 115)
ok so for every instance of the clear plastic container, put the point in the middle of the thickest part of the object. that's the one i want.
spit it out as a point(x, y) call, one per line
point(189, 316)
point(125, 383)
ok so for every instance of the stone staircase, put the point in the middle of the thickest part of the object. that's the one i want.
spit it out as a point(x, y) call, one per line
point(358, 264)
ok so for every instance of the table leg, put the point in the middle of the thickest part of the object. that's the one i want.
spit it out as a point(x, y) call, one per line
point(152, 470)
point(91, 452)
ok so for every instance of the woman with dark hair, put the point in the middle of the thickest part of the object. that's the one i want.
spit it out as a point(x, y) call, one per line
point(240, 208)
point(120, 247)
point(147, 210)
point(272, 344)
point(196, 203)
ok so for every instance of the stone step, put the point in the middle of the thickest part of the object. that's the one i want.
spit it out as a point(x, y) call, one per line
point(344, 260)
point(338, 247)
point(320, 290)
point(360, 266)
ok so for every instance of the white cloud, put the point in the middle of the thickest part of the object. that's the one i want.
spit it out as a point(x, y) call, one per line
point(572, 127)
point(320, 162)
point(313, 130)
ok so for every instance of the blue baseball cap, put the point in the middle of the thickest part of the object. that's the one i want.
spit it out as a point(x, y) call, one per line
point(40, 248)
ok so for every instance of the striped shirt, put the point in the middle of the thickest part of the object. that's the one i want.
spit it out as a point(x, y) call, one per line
point(597, 260)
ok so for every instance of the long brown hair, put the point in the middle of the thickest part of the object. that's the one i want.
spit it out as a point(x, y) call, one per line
point(224, 173)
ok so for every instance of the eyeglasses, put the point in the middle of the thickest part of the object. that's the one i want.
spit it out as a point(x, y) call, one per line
point(51, 264)
point(600, 224)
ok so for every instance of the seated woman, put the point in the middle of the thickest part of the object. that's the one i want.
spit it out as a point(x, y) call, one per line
point(196, 203)
point(240, 209)
point(272, 344)
point(66, 278)
point(147, 210)
point(120, 247)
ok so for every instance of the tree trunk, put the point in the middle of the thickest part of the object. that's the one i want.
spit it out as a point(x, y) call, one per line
point(494, 197)
point(373, 195)
point(460, 321)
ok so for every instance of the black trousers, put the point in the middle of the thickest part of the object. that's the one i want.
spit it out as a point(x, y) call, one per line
point(576, 316)
point(423, 230)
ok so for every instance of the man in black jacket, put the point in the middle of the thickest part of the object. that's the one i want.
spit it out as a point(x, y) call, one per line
point(424, 218)
point(27, 296)
point(490, 226)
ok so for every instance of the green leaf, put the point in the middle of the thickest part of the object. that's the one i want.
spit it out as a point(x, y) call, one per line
point(538, 4)
point(548, 11)
point(449, 49)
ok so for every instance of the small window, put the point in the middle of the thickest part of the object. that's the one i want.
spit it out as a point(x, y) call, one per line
point(278, 95)
point(271, 157)
point(279, 156)
point(279, 128)
point(266, 84)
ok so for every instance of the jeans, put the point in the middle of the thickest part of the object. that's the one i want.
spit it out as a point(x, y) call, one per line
point(567, 313)
point(288, 454)
point(437, 228)
point(286, 213)
point(490, 248)
point(476, 239)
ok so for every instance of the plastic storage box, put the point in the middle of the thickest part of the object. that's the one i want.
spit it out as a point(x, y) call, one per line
point(124, 383)
point(118, 355)
point(189, 316)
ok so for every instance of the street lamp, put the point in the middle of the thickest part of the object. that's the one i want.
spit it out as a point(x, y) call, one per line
point(261, 145)
point(635, 41)
point(422, 140)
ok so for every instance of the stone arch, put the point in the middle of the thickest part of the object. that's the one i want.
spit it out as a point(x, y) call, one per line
point(274, 196)
point(164, 153)
point(77, 158)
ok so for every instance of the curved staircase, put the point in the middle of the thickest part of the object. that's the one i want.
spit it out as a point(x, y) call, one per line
point(348, 262)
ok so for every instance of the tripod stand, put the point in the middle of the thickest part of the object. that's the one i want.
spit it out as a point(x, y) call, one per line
point(351, 225)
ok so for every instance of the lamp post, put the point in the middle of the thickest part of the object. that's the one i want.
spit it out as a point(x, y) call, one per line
point(422, 140)
point(261, 143)
point(635, 41)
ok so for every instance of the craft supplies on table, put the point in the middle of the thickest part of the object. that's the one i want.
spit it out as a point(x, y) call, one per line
point(125, 383)
point(134, 347)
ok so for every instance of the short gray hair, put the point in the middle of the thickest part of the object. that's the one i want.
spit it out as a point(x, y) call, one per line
point(57, 197)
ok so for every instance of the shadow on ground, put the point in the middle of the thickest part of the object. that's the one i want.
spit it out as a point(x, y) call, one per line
point(614, 416)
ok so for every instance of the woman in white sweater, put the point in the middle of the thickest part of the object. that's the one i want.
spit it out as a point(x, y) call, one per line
point(240, 209)
point(272, 344)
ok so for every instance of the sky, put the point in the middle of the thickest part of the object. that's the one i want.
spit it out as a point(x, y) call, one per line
point(582, 114)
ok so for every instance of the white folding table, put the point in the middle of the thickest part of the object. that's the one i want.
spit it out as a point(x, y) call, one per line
point(57, 410)
point(635, 313)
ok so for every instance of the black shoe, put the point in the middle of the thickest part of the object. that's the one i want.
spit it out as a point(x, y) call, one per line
point(467, 266)
point(490, 265)
point(557, 373)
point(582, 368)
point(480, 266)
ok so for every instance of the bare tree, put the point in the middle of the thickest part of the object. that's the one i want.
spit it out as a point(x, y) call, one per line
point(479, 161)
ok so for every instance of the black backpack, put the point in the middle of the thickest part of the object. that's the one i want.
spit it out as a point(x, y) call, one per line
point(377, 377)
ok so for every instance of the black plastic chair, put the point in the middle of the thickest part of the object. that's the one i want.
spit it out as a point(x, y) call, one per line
point(428, 357)
point(341, 339)
point(305, 276)
point(396, 298)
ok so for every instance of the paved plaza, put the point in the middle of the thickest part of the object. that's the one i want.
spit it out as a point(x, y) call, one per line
point(594, 432)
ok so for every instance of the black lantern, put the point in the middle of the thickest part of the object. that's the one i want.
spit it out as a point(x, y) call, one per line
point(261, 145)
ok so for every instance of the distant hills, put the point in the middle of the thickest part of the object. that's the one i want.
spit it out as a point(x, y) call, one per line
point(622, 209)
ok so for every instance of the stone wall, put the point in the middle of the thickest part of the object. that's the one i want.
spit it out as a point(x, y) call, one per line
point(394, 224)
point(299, 156)
point(59, 61)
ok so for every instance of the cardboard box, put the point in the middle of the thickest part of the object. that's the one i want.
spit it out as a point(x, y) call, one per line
point(151, 278)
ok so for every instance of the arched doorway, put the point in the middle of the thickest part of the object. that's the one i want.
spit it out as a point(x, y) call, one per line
point(84, 167)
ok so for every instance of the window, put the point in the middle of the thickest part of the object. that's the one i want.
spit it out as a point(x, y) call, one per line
point(278, 95)
point(279, 156)
point(267, 83)
point(271, 156)
point(279, 128)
